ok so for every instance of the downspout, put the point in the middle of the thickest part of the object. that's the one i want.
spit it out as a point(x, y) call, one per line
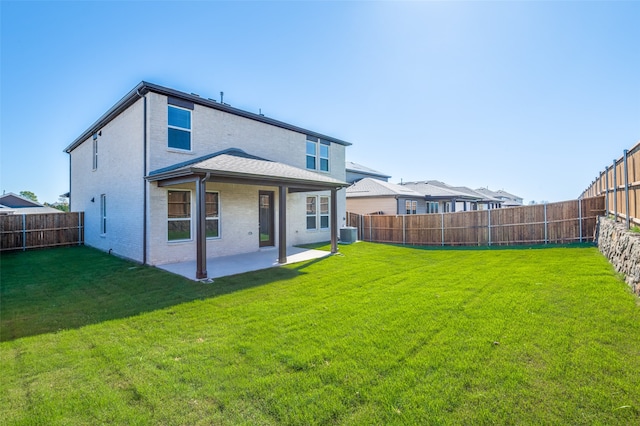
point(70, 182)
point(144, 181)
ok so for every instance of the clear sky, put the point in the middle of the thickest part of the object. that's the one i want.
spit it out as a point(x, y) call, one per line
point(533, 97)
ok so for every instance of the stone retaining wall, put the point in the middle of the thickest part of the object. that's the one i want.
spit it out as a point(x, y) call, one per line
point(622, 248)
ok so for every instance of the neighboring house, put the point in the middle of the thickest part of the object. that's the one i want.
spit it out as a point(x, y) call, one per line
point(373, 196)
point(483, 201)
point(16, 204)
point(356, 172)
point(508, 200)
point(444, 198)
point(165, 176)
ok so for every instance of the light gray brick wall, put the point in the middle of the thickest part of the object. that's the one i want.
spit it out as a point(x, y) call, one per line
point(120, 177)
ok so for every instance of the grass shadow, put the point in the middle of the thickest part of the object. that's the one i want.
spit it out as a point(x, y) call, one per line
point(46, 291)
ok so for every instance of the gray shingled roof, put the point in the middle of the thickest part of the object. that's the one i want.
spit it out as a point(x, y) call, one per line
point(369, 187)
point(359, 168)
point(501, 195)
point(435, 189)
point(235, 163)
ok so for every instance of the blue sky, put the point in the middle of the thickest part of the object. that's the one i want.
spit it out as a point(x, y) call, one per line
point(534, 97)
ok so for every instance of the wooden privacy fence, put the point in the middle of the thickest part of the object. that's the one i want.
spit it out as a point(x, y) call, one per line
point(620, 185)
point(564, 222)
point(28, 231)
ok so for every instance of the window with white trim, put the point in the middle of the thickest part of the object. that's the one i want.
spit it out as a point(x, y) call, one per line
point(324, 212)
point(179, 215)
point(103, 214)
point(318, 212)
point(324, 156)
point(312, 222)
point(411, 206)
point(212, 225)
point(95, 151)
point(179, 131)
point(317, 154)
point(432, 207)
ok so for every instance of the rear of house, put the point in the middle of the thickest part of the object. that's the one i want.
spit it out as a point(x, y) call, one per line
point(165, 176)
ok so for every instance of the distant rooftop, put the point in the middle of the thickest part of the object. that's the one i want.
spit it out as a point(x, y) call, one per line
point(369, 187)
point(359, 169)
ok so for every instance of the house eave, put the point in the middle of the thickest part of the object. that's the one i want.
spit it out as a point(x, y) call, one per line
point(144, 87)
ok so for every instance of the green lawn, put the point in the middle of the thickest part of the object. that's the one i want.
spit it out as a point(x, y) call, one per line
point(375, 335)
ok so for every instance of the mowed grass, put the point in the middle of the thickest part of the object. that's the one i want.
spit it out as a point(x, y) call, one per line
point(376, 335)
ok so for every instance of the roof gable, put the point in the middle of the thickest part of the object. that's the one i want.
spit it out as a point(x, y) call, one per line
point(17, 201)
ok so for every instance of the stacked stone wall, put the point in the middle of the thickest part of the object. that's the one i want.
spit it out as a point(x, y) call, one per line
point(622, 248)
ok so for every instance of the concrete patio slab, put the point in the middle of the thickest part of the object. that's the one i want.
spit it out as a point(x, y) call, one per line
point(230, 265)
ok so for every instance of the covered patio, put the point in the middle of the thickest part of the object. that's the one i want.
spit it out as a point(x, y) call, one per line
point(238, 167)
point(248, 262)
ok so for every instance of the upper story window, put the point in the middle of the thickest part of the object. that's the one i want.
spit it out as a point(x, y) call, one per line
point(95, 151)
point(317, 154)
point(179, 120)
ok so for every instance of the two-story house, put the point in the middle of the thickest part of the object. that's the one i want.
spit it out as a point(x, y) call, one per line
point(166, 176)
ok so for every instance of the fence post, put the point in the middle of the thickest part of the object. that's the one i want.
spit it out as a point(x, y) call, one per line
point(615, 193)
point(489, 227)
point(606, 192)
point(546, 225)
point(79, 227)
point(24, 232)
point(370, 228)
point(626, 189)
point(442, 227)
point(580, 217)
point(404, 231)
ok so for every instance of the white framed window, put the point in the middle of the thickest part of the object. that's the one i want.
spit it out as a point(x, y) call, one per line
point(312, 210)
point(179, 215)
point(432, 207)
point(324, 156)
point(324, 212)
point(317, 212)
point(317, 154)
point(212, 224)
point(95, 151)
point(411, 206)
point(179, 131)
point(103, 214)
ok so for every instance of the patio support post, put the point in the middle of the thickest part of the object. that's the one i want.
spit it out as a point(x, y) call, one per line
point(282, 225)
point(334, 220)
point(201, 236)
